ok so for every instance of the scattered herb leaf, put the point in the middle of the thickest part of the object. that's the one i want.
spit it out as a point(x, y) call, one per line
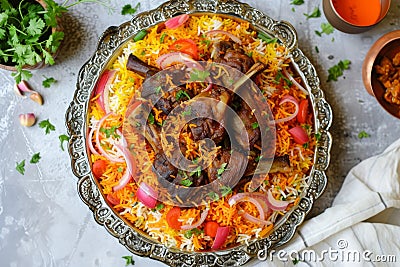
point(45, 124)
point(325, 28)
point(129, 260)
point(316, 49)
point(317, 136)
point(297, 2)
point(214, 196)
point(158, 90)
point(199, 75)
point(254, 125)
point(225, 190)
point(180, 94)
point(62, 139)
point(187, 111)
point(129, 10)
point(337, 70)
point(186, 182)
point(315, 14)
point(363, 134)
point(159, 206)
point(162, 37)
point(47, 82)
point(258, 158)
point(221, 169)
point(21, 167)
point(111, 131)
point(266, 38)
point(35, 158)
point(151, 118)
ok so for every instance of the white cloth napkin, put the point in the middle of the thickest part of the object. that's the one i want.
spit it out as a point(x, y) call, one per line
point(362, 228)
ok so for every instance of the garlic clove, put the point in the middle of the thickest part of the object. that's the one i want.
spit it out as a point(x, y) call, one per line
point(25, 87)
point(35, 96)
point(18, 91)
point(27, 119)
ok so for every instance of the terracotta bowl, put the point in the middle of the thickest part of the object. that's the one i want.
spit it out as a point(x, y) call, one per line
point(341, 24)
point(388, 45)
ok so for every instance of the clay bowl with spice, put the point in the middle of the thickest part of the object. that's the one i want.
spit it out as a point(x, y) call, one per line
point(381, 72)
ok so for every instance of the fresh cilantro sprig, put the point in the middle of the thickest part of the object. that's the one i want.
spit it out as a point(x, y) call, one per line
point(325, 28)
point(363, 134)
point(35, 158)
point(48, 81)
point(27, 36)
point(129, 10)
point(128, 260)
point(47, 126)
point(315, 14)
point(63, 138)
point(199, 75)
point(337, 70)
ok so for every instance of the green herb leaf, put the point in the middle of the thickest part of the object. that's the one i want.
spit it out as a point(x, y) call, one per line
point(221, 169)
point(295, 261)
point(45, 124)
point(214, 196)
point(54, 41)
point(266, 38)
point(62, 139)
point(199, 75)
point(197, 171)
point(36, 26)
point(21, 167)
point(140, 35)
point(363, 134)
point(158, 90)
point(317, 136)
point(225, 190)
point(187, 112)
point(162, 37)
point(35, 158)
point(112, 131)
point(258, 158)
point(47, 82)
point(316, 49)
point(186, 182)
point(297, 2)
point(180, 94)
point(325, 28)
point(315, 14)
point(159, 206)
point(129, 10)
point(254, 125)
point(151, 118)
point(129, 260)
point(337, 70)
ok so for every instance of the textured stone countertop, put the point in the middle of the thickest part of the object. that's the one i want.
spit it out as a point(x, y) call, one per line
point(42, 220)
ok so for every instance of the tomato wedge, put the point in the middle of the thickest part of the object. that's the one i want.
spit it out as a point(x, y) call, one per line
point(113, 199)
point(186, 46)
point(210, 229)
point(99, 167)
point(173, 218)
point(303, 111)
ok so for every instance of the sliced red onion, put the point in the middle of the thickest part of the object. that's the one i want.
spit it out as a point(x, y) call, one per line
point(220, 237)
point(299, 135)
point(292, 100)
point(169, 59)
point(98, 144)
point(300, 154)
point(177, 21)
point(203, 217)
point(146, 195)
point(129, 160)
point(275, 204)
point(253, 219)
point(244, 197)
point(293, 80)
point(230, 35)
point(126, 177)
point(90, 141)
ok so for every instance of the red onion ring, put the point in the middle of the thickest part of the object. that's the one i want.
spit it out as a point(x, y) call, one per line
point(293, 80)
point(230, 35)
point(255, 220)
point(240, 197)
point(98, 144)
point(177, 21)
point(220, 237)
point(203, 217)
point(146, 195)
point(89, 141)
point(292, 100)
point(275, 204)
point(166, 60)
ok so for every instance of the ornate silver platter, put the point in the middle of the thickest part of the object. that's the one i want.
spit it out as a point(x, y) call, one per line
point(137, 242)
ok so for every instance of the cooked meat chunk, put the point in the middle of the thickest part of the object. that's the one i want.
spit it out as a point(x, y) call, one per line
point(164, 168)
point(232, 55)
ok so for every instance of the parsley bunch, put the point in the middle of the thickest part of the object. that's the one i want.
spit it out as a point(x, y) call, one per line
point(26, 36)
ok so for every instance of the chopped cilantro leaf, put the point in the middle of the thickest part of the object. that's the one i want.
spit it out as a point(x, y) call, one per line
point(186, 182)
point(129, 260)
point(151, 118)
point(363, 134)
point(297, 2)
point(199, 75)
point(225, 190)
point(48, 81)
point(181, 94)
point(337, 70)
point(35, 158)
point(266, 38)
point(129, 10)
point(45, 124)
point(315, 14)
point(187, 112)
point(258, 158)
point(221, 169)
point(111, 132)
point(325, 28)
point(254, 125)
point(317, 136)
point(120, 169)
point(214, 196)
point(159, 206)
point(162, 37)
point(197, 171)
point(62, 139)
point(158, 90)
point(21, 167)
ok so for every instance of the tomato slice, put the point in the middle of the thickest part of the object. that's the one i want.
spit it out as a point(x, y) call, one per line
point(173, 217)
point(210, 229)
point(99, 167)
point(113, 199)
point(303, 111)
point(186, 46)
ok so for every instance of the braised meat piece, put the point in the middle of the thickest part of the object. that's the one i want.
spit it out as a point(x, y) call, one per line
point(231, 54)
point(164, 168)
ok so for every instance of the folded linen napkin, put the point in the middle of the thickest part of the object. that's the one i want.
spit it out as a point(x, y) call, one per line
point(362, 228)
